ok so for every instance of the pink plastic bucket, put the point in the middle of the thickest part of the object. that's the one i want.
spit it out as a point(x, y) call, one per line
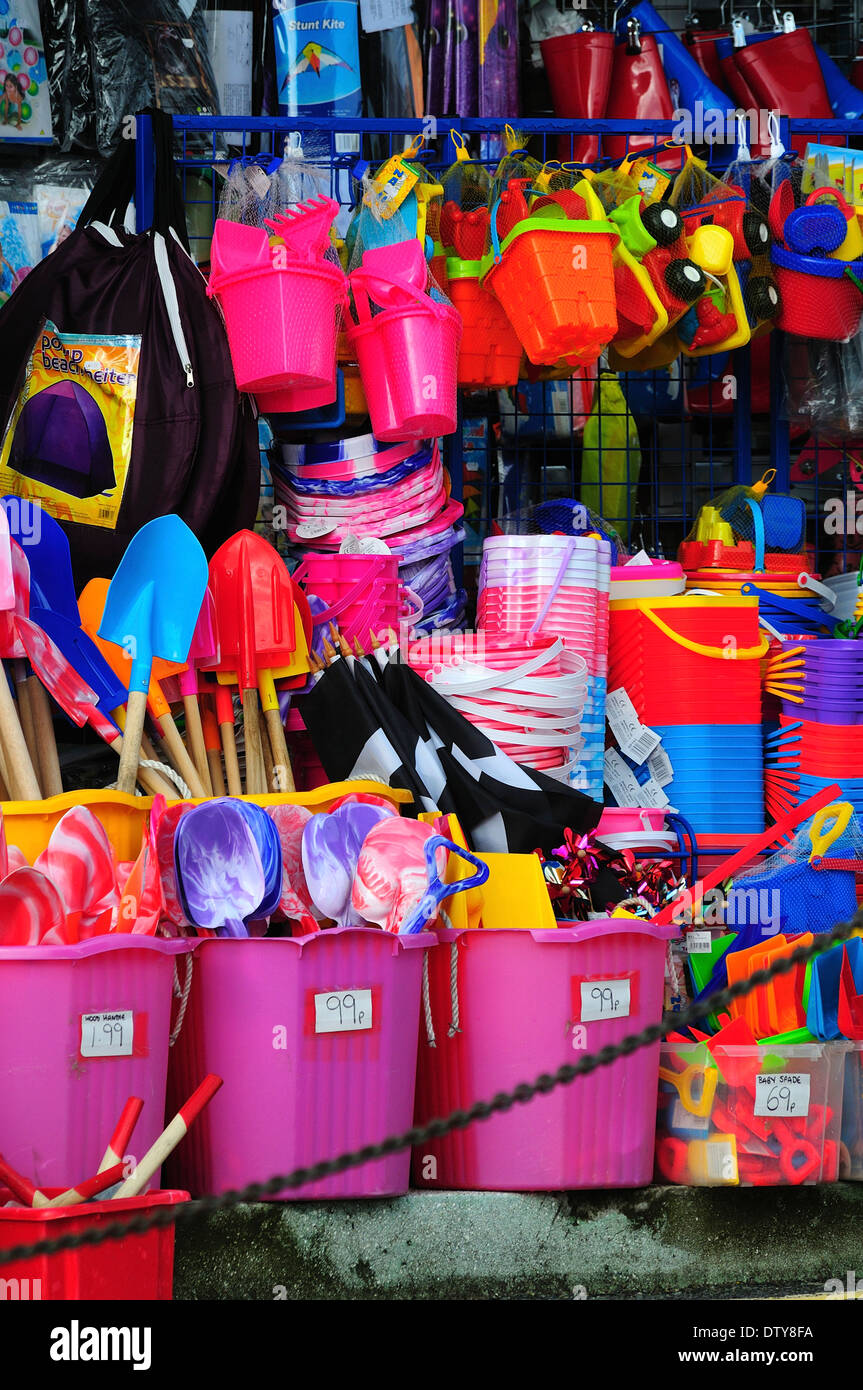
point(58, 1105)
point(362, 592)
point(521, 1004)
point(281, 324)
point(293, 1094)
point(407, 359)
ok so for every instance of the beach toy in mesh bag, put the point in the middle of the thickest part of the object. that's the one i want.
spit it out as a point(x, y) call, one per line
point(281, 299)
point(748, 528)
point(553, 273)
point(818, 263)
point(565, 516)
point(814, 890)
point(462, 224)
point(703, 200)
point(406, 342)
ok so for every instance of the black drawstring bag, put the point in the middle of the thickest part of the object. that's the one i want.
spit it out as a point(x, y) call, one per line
point(194, 447)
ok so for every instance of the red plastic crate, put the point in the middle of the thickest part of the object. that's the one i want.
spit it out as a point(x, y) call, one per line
point(133, 1267)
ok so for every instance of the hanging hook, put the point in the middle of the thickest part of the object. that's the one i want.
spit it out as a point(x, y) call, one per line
point(633, 35)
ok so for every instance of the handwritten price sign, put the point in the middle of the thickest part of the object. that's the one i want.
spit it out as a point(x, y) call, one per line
point(597, 998)
point(782, 1094)
point(343, 1011)
point(108, 1034)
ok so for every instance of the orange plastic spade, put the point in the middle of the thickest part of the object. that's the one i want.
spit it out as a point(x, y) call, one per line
point(91, 605)
point(257, 634)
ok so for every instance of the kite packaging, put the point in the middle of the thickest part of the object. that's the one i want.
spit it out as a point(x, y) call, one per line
point(317, 56)
point(69, 439)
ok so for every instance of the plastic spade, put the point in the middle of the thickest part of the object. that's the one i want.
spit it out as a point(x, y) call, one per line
point(79, 862)
point(295, 902)
point(331, 848)
point(204, 651)
point(270, 849)
point(18, 770)
point(30, 909)
point(397, 881)
point(92, 606)
point(256, 622)
point(86, 660)
point(46, 546)
point(213, 745)
point(218, 867)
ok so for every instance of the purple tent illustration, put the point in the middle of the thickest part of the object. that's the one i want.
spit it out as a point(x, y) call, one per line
point(61, 439)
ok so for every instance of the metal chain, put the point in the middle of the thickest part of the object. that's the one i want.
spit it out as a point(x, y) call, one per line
point(436, 1129)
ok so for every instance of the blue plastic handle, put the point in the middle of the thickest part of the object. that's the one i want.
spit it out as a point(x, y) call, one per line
point(437, 890)
point(758, 523)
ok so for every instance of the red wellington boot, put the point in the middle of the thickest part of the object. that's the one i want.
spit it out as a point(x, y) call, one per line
point(579, 75)
point(639, 91)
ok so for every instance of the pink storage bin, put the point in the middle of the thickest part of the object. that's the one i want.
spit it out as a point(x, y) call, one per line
point(519, 997)
point(59, 1108)
point(320, 1094)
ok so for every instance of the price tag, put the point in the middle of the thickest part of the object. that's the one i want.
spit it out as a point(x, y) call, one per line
point(653, 795)
point(343, 1011)
point(621, 782)
point(376, 15)
point(698, 943)
point(108, 1034)
point(632, 737)
point(660, 767)
point(681, 1118)
point(311, 530)
point(782, 1093)
point(604, 999)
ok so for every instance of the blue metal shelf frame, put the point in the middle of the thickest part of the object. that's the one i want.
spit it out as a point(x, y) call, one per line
point(684, 461)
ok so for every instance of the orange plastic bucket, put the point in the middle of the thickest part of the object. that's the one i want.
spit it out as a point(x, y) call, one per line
point(490, 351)
point(554, 278)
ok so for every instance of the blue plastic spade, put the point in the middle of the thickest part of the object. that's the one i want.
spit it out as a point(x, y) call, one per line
point(82, 653)
point(151, 610)
point(46, 546)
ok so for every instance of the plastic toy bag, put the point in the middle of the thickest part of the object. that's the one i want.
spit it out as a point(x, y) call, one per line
point(69, 439)
point(611, 456)
point(147, 53)
point(69, 73)
point(823, 384)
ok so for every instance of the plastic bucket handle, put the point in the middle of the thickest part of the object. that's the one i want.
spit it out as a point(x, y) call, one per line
point(719, 653)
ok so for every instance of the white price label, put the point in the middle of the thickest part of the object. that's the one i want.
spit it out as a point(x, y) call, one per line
point(311, 530)
point(604, 999)
point(376, 15)
point(343, 1011)
point(108, 1034)
point(653, 795)
point(782, 1093)
point(681, 1118)
point(620, 780)
point(632, 737)
point(698, 943)
point(722, 1160)
point(660, 767)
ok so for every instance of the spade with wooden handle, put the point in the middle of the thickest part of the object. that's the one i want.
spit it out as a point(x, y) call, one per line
point(151, 610)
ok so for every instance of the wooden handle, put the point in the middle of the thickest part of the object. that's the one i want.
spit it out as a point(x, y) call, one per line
point(256, 783)
point(151, 780)
point(232, 762)
point(25, 713)
point(136, 712)
point(281, 756)
point(23, 783)
point(46, 742)
point(116, 1149)
point(217, 780)
point(197, 747)
point(170, 1137)
point(180, 758)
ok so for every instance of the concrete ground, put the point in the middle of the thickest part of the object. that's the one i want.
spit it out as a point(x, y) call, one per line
point(647, 1243)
